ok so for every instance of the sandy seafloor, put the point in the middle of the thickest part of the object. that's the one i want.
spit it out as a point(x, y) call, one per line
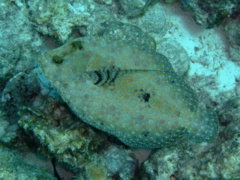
point(210, 64)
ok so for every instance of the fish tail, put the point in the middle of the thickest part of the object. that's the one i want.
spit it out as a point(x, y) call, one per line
point(205, 128)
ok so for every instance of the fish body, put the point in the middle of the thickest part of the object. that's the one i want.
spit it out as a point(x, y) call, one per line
point(129, 91)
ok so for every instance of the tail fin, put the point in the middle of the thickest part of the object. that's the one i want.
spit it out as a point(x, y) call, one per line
point(205, 128)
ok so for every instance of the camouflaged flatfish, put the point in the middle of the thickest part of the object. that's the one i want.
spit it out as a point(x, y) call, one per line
point(128, 91)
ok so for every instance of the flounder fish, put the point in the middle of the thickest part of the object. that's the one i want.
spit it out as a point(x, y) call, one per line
point(128, 91)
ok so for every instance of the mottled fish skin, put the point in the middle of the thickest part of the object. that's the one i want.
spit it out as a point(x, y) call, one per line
point(129, 91)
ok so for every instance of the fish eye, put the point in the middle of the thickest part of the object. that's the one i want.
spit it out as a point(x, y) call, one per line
point(77, 45)
point(57, 59)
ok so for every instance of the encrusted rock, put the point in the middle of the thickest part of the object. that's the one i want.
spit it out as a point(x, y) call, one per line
point(13, 167)
point(73, 146)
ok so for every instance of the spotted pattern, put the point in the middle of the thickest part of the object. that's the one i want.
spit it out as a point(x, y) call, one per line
point(129, 91)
